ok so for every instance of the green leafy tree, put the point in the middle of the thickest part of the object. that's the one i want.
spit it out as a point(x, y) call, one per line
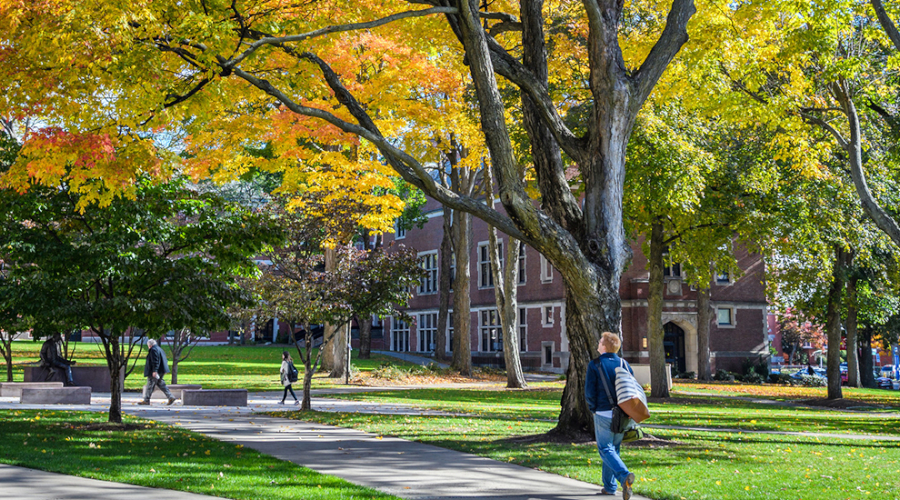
point(165, 258)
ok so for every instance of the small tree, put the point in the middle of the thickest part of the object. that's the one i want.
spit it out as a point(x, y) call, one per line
point(163, 258)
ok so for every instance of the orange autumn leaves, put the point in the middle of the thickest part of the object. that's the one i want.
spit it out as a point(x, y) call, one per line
point(115, 81)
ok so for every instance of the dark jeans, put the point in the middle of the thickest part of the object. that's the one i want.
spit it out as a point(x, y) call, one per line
point(66, 369)
point(286, 389)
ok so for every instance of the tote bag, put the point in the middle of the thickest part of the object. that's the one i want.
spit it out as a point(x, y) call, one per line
point(630, 394)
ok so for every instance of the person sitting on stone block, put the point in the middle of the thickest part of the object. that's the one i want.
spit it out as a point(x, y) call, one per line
point(51, 357)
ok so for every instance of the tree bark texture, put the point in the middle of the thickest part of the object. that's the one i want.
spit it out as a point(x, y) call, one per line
point(867, 377)
point(704, 317)
point(446, 260)
point(659, 386)
point(7, 353)
point(853, 379)
point(114, 363)
point(833, 325)
point(365, 337)
point(853, 147)
point(462, 341)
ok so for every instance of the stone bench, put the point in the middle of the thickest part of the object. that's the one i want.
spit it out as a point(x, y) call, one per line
point(14, 389)
point(214, 397)
point(176, 390)
point(95, 377)
point(57, 396)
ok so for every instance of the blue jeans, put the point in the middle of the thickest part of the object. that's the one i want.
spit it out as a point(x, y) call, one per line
point(608, 445)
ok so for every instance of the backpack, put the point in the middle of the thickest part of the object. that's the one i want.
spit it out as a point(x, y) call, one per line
point(292, 372)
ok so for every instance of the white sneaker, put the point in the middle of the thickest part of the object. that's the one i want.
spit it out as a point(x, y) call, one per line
point(281, 402)
point(296, 401)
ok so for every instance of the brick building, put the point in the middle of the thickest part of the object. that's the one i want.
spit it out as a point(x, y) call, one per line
point(739, 328)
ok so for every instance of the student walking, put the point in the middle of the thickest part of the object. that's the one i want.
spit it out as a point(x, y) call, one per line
point(601, 407)
point(288, 377)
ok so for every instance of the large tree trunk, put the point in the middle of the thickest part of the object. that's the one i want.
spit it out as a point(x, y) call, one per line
point(505, 277)
point(867, 376)
point(704, 317)
point(365, 337)
point(659, 385)
point(852, 335)
point(462, 348)
point(446, 256)
point(833, 325)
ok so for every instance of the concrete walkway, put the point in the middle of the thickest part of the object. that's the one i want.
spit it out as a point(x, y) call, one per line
point(28, 484)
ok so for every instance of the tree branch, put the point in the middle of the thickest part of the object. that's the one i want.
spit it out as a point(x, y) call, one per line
point(335, 29)
point(886, 23)
point(674, 35)
point(407, 166)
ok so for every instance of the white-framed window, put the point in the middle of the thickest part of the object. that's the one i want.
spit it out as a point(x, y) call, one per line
point(672, 271)
point(426, 331)
point(399, 231)
point(452, 270)
point(399, 335)
point(723, 278)
point(523, 329)
point(485, 277)
point(546, 270)
point(547, 316)
point(450, 332)
point(429, 262)
point(521, 279)
point(491, 333)
point(725, 316)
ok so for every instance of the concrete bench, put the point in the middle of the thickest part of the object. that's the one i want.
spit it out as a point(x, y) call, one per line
point(14, 389)
point(95, 377)
point(214, 397)
point(57, 396)
point(176, 390)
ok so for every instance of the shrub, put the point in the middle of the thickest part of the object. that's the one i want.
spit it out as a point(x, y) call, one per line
point(723, 376)
point(388, 371)
point(780, 378)
point(812, 381)
point(689, 375)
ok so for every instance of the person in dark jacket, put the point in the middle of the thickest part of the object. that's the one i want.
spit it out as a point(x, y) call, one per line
point(156, 366)
point(51, 357)
point(601, 408)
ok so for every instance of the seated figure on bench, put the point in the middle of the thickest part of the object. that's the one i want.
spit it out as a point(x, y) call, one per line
point(51, 357)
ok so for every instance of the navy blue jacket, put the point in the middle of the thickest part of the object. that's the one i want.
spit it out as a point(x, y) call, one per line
point(593, 383)
point(156, 362)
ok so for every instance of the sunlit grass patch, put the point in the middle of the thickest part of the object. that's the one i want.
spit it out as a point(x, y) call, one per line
point(146, 453)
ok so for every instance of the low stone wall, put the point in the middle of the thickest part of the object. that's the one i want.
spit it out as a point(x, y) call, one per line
point(176, 390)
point(14, 389)
point(95, 377)
point(57, 396)
point(214, 397)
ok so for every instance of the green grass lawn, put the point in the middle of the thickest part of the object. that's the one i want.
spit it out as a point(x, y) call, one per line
point(677, 465)
point(159, 456)
point(254, 368)
point(712, 412)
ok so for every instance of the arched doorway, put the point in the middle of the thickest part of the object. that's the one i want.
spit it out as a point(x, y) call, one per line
point(673, 342)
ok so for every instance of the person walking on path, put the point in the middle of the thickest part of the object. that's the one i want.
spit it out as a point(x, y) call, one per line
point(288, 377)
point(608, 442)
point(156, 366)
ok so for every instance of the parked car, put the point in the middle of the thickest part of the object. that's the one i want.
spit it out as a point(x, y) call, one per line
point(887, 371)
point(844, 373)
point(818, 372)
point(884, 383)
